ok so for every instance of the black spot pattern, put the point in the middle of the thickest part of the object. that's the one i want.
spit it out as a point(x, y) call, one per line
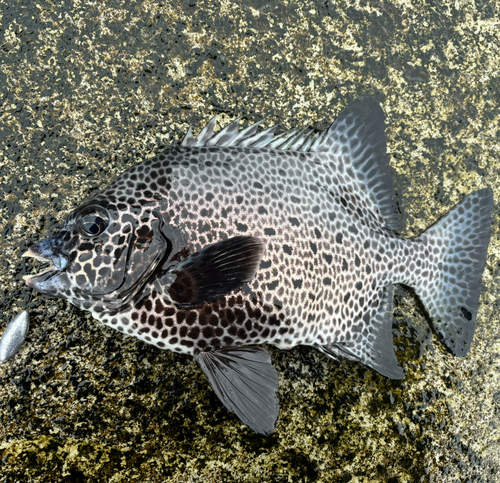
point(307, 257)
point(310, 263)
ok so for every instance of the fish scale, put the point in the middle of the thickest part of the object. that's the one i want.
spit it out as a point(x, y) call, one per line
point(278, 289)
point(240, 238)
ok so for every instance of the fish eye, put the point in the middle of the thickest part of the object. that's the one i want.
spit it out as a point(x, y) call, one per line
point(92, 221)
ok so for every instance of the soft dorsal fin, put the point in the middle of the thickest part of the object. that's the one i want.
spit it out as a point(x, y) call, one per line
point(354, 147)
point(357, 143)
point(376, 347)
point(246, 382)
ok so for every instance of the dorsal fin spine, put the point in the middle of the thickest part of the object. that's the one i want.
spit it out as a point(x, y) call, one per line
point(260, 139)
point(188, 138)
point(207, 132)
point(227, 132)
point(282, 139)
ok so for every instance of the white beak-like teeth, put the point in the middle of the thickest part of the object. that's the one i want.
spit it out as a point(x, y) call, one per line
point(51, 266)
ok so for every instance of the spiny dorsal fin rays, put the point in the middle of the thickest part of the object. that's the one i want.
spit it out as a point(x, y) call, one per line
point(206, 133)
point(247, 132)
point(189, 139)
point(280, 140)
point(227, 135)
point(355, 143)
point(259, 140)
point(317, 144)
point(306, 146)
point(300, 139)
point(292, 140)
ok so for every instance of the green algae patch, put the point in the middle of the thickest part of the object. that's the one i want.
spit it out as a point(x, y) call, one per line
point(65, 458)
point(55, 459)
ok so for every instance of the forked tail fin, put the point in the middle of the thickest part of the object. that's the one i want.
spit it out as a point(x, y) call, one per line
point(458, 245)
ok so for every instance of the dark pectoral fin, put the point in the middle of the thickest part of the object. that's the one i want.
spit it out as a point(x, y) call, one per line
point(216, 270)
point(246, 383)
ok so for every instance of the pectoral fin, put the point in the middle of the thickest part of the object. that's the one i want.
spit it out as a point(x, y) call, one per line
point(216, 270)
point(246, 383)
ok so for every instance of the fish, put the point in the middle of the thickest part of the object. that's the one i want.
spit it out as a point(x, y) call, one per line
point(14, 335)
point(240, 238)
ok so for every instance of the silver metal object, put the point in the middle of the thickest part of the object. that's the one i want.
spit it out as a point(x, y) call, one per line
point(14, 335)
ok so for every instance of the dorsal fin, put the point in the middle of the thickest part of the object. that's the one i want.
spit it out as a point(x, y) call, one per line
point(250, 137)
point(354, 147)
point(356, 143)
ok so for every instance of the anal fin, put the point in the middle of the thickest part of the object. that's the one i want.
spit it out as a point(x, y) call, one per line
point(246, 382)
point(375, 347)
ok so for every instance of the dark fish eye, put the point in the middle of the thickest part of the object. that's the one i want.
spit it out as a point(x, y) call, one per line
point(92, 221)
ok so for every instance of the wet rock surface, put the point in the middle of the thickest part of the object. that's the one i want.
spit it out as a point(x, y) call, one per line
point(89, 89)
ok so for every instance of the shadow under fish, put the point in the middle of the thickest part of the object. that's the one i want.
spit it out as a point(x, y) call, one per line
point(243, 237)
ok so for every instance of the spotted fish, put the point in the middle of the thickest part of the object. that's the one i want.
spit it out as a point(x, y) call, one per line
point(240, 238)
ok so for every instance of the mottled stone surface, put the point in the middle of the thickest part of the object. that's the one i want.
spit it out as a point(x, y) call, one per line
point(90, 88)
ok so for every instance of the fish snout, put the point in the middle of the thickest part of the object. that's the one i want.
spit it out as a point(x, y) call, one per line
point(46, 252)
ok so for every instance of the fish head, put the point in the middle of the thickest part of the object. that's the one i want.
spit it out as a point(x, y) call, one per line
point(104, 254)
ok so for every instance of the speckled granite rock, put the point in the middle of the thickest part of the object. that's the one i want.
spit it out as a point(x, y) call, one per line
point(90, 88)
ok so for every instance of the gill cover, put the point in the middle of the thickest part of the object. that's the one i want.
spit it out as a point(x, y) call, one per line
point(138, 245)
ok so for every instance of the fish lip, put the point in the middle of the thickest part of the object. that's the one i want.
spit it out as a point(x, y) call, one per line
point(57, 263)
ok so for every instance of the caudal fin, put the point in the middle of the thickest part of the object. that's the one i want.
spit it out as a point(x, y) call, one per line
point(458, 245)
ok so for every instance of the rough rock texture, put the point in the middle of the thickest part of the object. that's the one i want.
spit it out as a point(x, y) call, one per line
point(90, 88)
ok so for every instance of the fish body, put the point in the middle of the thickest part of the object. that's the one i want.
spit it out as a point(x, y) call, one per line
point(14, 335)
point(241, 238)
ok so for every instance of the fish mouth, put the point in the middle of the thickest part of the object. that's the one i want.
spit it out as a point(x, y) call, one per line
point(56, 264)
